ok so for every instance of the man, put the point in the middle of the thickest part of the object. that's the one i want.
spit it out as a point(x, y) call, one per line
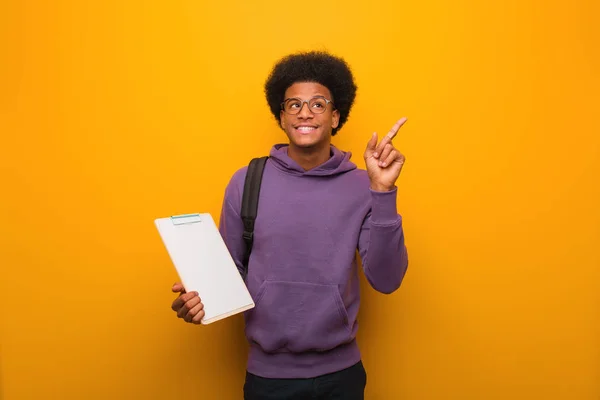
point(316, 210)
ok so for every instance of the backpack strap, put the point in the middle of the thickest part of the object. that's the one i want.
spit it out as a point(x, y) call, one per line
point(250, 202)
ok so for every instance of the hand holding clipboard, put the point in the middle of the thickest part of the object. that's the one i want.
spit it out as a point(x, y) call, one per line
point(205, 267)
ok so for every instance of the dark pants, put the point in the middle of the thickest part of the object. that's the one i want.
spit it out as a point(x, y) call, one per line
point(348, 384)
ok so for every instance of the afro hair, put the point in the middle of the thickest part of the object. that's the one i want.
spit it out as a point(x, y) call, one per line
point(315, 66)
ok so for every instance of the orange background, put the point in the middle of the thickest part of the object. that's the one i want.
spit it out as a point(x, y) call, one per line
point(114, 113)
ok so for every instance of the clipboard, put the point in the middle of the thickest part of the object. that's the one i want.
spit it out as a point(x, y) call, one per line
point(204, 264)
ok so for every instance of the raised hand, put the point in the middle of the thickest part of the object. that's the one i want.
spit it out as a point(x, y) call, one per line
point(383, 161)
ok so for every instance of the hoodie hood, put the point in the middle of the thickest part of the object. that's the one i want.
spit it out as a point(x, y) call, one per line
point(338, 163)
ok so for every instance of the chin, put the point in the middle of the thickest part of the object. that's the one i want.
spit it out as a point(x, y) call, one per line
point(306, 142)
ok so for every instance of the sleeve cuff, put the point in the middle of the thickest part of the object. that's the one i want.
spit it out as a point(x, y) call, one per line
point(384, 210)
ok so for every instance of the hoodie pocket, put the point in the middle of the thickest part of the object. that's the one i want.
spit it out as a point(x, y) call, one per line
point(297, 317)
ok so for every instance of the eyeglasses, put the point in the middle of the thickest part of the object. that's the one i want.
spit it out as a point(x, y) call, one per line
point(316, 105)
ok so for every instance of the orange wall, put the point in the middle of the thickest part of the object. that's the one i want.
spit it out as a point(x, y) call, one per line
point(114, 113)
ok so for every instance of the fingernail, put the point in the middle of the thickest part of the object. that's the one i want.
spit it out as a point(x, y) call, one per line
point(375, 155)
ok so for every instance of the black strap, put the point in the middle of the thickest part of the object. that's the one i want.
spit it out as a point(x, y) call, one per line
point(250, 202)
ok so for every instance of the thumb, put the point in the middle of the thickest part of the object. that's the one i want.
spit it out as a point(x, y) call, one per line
point(371, 145)
point(178, 287)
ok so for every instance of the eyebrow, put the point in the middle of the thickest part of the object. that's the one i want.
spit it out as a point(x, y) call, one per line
point(314, 95)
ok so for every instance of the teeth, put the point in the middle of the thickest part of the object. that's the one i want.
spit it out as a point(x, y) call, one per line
point(306, 128)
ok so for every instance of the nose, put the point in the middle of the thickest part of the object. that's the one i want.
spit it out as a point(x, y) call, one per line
point(305, 112)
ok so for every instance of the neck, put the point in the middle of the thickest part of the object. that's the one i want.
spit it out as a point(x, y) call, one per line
point(309, 158)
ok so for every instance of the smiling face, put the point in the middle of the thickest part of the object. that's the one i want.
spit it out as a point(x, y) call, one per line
point(308, 129)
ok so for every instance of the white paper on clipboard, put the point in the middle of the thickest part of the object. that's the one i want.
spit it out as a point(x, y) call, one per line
point(204, 264)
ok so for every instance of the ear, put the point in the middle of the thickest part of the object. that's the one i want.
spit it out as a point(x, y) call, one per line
point(335, 119)
point(281, 120)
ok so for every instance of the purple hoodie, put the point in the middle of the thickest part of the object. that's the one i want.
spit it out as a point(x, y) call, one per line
point(303, 271)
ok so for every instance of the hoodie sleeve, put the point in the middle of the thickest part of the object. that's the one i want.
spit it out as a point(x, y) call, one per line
point(231, 226)
point(381, 243)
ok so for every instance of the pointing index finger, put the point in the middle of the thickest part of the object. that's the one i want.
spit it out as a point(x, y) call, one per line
point(388, 138)
point(392, 133)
